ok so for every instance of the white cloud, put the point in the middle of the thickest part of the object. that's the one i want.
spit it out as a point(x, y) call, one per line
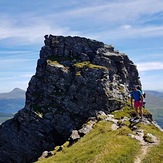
point(150, 66)
point(131, 33)
point(123, 14)
point(98, 19)
point(126, 26)
point(27, 75)
point(8, 62)
point(16, 52)
point(31, 33)
point(17, 76)
point(113, 13)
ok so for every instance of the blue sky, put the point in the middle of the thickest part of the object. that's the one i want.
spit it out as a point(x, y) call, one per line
point(132, 27)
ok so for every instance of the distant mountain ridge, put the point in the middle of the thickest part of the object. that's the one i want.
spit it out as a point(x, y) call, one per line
point(158, 94)
point(11, 102)
point(154, 103)
point(154, 98)
point(5, 116)
point(16, 93)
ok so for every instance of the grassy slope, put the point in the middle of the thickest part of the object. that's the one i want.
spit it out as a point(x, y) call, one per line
point(103, 145)
point(100, 146)
point(155, 154)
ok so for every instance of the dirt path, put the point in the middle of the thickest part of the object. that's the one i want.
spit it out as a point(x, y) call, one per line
point(138, 135)
point(145, 147)
point(143, 152)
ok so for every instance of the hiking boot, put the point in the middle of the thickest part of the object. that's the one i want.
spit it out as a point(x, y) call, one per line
point(136, 118)
point(141, 119)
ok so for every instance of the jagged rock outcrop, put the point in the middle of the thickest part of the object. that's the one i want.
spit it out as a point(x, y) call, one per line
point(75, 78)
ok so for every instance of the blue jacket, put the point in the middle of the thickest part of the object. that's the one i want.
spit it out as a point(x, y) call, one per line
point(136, 95)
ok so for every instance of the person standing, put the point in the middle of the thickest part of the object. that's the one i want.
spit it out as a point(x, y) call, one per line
point(143, 94)
point(137, 97)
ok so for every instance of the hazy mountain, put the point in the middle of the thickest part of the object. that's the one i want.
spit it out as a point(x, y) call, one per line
point(16, 93)
point(10, 103)
point(155, 93)
point(154, 99)
point(154, 102)
point(5, 116)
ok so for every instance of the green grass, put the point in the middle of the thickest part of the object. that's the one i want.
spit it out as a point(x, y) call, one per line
point(121, 89)
point(155, 155)
point(126, 111)
point(100, 145)
point(104, 145)
point(54, 63)
point(88, 65)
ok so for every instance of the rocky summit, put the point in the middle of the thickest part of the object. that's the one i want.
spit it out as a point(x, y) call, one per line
point(75, 78)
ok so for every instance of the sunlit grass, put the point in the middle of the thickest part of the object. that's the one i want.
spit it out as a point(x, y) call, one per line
point(104, 145)
point(126, 111)
point(54, 63)
point(100, 145)
point(155, 154)
point(88, 65)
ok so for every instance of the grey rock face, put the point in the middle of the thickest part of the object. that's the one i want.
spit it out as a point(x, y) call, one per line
point(75, 78)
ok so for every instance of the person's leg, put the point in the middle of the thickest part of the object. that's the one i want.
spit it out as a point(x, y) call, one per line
point(137, 112)
point(140, 108)
point(141, 111)
point(136, 105)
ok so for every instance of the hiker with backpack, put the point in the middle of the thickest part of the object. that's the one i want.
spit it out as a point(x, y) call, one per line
point(137, 97)
point(143, 94)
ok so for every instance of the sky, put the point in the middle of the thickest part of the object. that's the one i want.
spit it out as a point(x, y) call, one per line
point(132, 27)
